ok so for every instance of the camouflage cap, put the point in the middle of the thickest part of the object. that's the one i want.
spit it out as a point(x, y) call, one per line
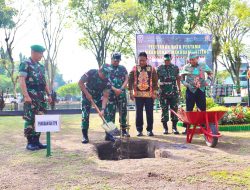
point(106, 70)
point(167, 57)
point(37, 48)
point(116, 56)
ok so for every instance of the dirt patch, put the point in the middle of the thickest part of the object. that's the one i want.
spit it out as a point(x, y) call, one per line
point(170, 163)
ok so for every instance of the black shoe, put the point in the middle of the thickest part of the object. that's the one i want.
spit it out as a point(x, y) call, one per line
point(85, 138)
point(42, 146)
point(125, 134)
point(140, 134)
point(184, 133)
point(176, 132)
point(31, 145)
point(165, 127)
point(165, 132)
point(150, 133)
point(37, 142)
point(109, 137)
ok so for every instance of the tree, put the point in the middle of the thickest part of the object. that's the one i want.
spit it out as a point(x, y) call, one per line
point(5, 84)
point(69, 89)
point(10, 29)
point(53, 14)
point(2, 70)
point(59, 80)
point(172, 16)
point(106, 25)
point(211, 17)
point(6, 15)
point(236, 23)
point(222, 76)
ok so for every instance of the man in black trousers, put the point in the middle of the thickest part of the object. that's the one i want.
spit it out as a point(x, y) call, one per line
point(143, 89)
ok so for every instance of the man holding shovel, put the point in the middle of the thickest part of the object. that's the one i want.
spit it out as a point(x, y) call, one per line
point(95, 87)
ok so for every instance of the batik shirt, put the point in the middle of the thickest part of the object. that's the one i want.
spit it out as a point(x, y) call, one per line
point(195, 76)
point(143, 80)
point(167, 76)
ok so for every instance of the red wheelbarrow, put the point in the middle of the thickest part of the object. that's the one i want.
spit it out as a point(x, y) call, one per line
point(201, 122)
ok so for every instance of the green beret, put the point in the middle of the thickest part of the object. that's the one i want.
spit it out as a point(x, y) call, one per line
point(167, 57)
point(106, 70)
point(37, 48)
point(192, 56)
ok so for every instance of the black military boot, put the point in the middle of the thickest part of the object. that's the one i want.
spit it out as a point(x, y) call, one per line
point(40, 145)
point(165, 126)
point(109, 137)
point(31, 145)
point(85, 138)
point(125, 133)
point(174, 128)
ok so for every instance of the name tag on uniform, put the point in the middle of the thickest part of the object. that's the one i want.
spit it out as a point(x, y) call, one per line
point(47, 123)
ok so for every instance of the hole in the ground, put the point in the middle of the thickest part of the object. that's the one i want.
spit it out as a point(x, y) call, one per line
point(132, 149)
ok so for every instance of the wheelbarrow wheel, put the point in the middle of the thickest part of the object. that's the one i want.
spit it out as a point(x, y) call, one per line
point(212, 141)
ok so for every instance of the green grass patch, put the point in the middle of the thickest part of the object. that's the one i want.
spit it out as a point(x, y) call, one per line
point(241, 178)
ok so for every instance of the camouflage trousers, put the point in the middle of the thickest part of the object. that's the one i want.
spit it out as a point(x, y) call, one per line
point(115, 103)
point(86, 106)
point(37, 107)
point(166, 102)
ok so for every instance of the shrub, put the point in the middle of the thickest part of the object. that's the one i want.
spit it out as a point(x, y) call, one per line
point(236, 115)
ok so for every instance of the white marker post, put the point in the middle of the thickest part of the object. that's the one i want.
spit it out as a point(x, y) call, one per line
point(47, 123)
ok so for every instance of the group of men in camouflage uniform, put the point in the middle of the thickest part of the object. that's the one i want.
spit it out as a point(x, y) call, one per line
point(106, 87)
point(109, 93)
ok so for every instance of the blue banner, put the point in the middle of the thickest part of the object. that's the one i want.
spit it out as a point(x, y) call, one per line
point(179, 45)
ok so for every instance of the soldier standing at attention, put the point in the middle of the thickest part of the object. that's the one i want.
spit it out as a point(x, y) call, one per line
point(95, 86)
point(118, 97)
point(34, 89)
point(169, 80)
point(143, 89)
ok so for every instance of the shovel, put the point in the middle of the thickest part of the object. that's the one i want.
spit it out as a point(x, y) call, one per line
point(109, 127)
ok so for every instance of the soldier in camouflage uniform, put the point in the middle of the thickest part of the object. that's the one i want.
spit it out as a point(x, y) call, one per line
point(95, 86)
point(117, 97)
point(34, 89)
point(169, 79)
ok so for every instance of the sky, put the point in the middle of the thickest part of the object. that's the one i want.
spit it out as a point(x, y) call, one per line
point(73, 60)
